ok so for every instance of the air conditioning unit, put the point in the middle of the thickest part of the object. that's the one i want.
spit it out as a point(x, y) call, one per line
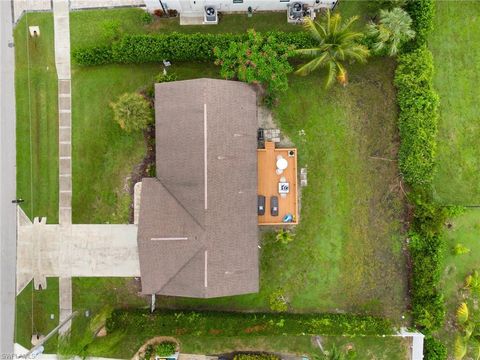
point(210, 15)
point(295, 12)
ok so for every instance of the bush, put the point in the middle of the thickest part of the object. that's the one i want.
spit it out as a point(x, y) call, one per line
point(257, 60)
point(165, 349)
point(460, 249)
point(427, 248)
point(434, 349)
point(168, 323)
point(284, 236)
point(95, 55)
point(165, 77)
point(418, 117)
point(422, 13)
point(174, 46)
point(277, 301)
point(132, 112)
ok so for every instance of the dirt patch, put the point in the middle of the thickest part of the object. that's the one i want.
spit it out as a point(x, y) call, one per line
point(253, 329)
point(146, 168)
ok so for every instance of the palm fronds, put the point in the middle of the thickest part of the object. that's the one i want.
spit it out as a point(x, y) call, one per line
point(462, 313)
point(336, 43)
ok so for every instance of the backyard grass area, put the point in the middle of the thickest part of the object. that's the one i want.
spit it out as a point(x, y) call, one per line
point(33, 314)
point(454, 44)
point(347, 253)
point(37, 130)
point(348, 247)
point(464, 230)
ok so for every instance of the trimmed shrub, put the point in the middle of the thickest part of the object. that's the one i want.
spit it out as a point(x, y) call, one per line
point(95, 55)
point(165, 348)
point(422, 13)
point(418, 117)
point(427, 248)
point(434, 349)
point(170, 323)
point(134, 49)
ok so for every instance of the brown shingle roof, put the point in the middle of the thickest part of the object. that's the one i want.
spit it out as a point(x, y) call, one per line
point(197, 232)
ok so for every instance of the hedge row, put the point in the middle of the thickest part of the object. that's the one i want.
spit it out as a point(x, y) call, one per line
point(422, 13)
point(173, 47)
point(418, 117)
point(427, 247)
point(174, 323)
point(418, 120)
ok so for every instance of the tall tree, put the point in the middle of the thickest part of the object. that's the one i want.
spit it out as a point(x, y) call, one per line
point(392, 30)
point(336, 44)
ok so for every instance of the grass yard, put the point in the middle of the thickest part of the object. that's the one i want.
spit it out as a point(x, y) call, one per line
point(94, 27)
point(351, 212)
point(389, 348)
point(348, 249)
point(464, 230)
point(105, 156)
point(347, 254)
point(33, 314)
point(37, 122)
point(454, 44)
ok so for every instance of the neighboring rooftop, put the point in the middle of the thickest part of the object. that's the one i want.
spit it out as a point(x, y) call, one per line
point(198, 234)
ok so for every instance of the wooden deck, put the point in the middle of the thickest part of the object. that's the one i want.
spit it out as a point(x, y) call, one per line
point(268, 181)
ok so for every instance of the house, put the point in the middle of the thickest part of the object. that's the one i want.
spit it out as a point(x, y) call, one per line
point(191, 6)
point(197, 231)
point(194, 12)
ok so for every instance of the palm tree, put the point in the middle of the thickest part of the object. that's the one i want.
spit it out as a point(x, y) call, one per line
point(393, 29)
point(336, 44)
point(377, 5)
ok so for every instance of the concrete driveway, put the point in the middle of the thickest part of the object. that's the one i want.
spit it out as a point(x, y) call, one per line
point(74, 250)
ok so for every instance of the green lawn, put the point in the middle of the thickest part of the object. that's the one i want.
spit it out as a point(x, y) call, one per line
point(348, 250)
point(104, 155)
point(347, 253)
point(464, 230)
point(454, 44)
point(37, 124)
point(370, 347)
point(33, 314)
point(93, 27)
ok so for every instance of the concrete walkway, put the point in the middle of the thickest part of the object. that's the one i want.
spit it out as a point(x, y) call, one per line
point(62, 62)
point(61, 25)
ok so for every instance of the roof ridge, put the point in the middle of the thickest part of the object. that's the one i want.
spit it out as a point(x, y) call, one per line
point(181, 268)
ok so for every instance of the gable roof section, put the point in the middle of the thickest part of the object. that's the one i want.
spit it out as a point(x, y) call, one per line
point(198, 233)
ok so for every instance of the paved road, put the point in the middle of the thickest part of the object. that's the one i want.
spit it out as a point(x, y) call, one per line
point(7, 180)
